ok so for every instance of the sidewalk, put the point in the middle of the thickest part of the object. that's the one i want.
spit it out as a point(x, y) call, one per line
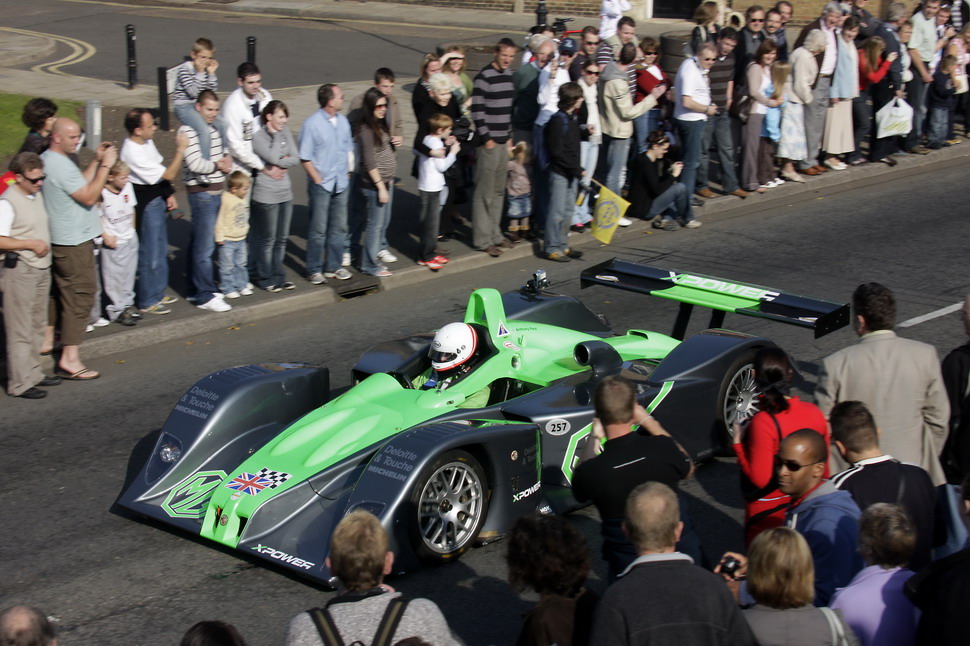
point(186, 320)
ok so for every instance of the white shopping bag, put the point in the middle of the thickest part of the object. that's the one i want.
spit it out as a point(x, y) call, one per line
point(894, 119)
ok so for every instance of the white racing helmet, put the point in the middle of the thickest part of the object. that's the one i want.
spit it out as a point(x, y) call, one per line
point(453, 345)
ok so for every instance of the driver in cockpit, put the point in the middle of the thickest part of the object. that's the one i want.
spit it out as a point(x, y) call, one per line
point(454, 353)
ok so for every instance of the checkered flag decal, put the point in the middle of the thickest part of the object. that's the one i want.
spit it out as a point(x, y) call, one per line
point(276, 477)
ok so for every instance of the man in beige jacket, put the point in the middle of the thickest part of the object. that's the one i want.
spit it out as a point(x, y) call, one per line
point(899, 381)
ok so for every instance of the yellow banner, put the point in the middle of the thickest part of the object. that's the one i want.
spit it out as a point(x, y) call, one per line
point(610, 207)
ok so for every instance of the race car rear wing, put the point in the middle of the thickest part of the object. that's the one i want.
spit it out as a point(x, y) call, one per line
point(719, 295)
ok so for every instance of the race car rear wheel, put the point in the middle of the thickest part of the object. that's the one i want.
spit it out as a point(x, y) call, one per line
point(736, 401)
point(450, 501)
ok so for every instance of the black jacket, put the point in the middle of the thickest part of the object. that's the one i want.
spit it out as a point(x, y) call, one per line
point(562, 140)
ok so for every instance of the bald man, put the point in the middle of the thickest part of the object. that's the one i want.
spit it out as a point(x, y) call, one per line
point(26, 625)
point(826, 517)
point(70, 196)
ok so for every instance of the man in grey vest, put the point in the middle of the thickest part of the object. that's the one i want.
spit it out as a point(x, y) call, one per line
point(25, 276)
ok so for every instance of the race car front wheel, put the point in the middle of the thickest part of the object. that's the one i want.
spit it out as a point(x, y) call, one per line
point(449, 502)
point(736, 401)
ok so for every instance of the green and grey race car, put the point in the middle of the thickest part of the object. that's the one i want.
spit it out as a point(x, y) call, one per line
point(262, 458)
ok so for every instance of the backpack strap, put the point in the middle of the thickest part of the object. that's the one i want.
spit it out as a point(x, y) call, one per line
point(325, 626)
point(389, 622)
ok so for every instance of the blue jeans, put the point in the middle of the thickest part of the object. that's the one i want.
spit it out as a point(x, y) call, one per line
point(205, 208)
point(644, 125)
point(673, 204)
point(233, 275)
point(939, 126)
point(328, 229)
point(357, 219)
point(588, 154)
point(617, 153)
point(378, 216)
point(691, 141)
point(153, 254)
point(269, 233)
point(192, 118)
point(718, 130)
point(916, 96)
point(562, 194)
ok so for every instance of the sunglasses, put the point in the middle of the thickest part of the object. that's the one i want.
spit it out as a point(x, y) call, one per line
point(381, 105)
point(36, 179)
point(756, 19)
point(649, 53)
point(592, 42)
point(592, 73)
point(791, 465)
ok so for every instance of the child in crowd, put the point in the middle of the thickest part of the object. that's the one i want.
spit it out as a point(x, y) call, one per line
point(518, 189)
point(431, 182)
point(941, 101)
point(119, 251)
point(193, 76)
point(232, 226)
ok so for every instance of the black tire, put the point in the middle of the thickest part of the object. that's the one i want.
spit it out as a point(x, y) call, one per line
point(449, 505)
point(737, 396)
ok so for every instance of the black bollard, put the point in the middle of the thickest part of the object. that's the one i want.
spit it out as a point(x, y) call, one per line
point(251, 49)
point(163, 98)
point(542, 14)
point(132, 60)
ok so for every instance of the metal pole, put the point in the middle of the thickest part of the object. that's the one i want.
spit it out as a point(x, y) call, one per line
point(251, 49)
point(92, 130)
point(163, 98)
point(542, 13)
point(132, 61)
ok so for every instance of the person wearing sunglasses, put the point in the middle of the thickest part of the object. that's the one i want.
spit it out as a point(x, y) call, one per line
point(589, 42)
point(827, 517)
point(756, 442)
point(749, 40)
point(25, 277)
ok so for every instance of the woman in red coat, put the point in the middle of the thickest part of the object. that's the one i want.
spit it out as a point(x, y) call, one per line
point(756, 444)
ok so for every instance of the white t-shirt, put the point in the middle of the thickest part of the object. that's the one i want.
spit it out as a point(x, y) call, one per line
point(144, 162)
point(118, 212)
point(431, 170)
point(7, 215)
point(691, 81)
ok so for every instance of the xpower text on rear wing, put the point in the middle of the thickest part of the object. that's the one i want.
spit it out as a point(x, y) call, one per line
point(718, 295)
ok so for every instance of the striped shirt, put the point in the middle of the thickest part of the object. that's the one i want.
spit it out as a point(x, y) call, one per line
point(720, 75)
point(190, 83)
point(492, 99)
point(199, 173)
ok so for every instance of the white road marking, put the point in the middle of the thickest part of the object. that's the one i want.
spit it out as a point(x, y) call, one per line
point(949, 309)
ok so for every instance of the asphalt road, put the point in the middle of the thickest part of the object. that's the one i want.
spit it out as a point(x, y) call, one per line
point(290, 51)
point(114, 580)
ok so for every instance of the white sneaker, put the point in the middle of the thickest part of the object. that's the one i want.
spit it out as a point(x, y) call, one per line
point(247, 290)
point(101, 322)
point(215, 305)
point(345, 261)
point(693, 224)
point(385, 255)
point(232, 294)
point(340, 274)
point(835, 164)
point(625, 222)
point(317, 278)
point(89, 328)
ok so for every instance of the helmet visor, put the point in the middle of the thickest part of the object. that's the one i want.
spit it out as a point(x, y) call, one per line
point(438, 358)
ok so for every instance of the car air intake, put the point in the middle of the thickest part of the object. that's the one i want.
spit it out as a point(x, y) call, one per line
point(599, 356)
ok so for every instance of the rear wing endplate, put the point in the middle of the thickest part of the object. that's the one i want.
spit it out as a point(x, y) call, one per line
point(719, 295)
